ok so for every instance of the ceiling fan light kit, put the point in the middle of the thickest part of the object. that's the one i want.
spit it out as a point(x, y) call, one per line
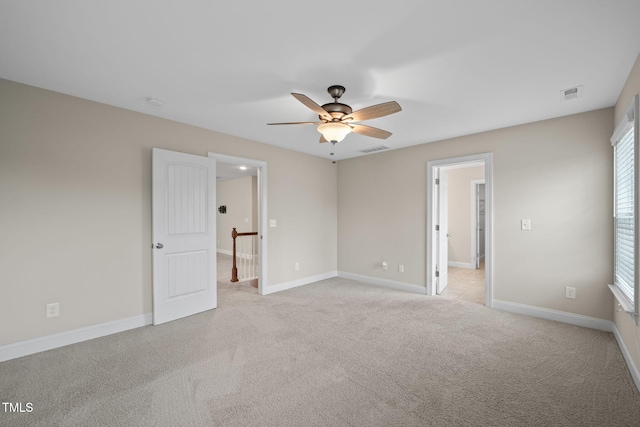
point(336, 118)
point(334, 131)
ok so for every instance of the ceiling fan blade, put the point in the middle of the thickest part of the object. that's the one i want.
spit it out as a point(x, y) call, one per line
point(370, 131)
point(297, 123)
point(322, 138)
point(311, 104)
point(374, 111)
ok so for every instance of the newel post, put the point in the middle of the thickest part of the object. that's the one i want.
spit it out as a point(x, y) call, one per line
point(234, 269)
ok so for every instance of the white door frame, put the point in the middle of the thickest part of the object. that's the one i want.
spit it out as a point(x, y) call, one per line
point(487, 159)
point(474, 219)
point(262, 210)
point(442, 234)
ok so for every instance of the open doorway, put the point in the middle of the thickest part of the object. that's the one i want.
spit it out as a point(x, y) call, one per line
point(242, 185)
point(459, 228)
point(465, 231)
point(237, 224)
point(185, 231)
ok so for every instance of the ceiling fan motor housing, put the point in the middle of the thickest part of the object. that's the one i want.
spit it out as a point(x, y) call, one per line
point(337, 110)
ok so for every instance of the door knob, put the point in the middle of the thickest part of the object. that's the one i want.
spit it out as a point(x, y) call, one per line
point(159, 246)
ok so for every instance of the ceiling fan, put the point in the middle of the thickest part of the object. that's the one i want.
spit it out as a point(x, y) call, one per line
point(336, 118)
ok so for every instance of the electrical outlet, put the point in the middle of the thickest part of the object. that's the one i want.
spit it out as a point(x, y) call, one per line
point(53, 309)
point(570, 292)
point(401, 268)
point(525, 224)
point(296, 267)
point(385, 266)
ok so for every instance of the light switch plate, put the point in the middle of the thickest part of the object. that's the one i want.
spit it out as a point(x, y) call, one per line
point(525, 224)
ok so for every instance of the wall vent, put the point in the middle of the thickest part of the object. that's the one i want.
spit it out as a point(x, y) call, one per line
point(571, 93)
point(374, 149)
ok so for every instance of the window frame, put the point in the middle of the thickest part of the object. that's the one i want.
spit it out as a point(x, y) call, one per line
point(629, 121)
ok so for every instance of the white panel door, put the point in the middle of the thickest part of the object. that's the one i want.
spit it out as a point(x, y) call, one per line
point(442, 234)
point(184, 235)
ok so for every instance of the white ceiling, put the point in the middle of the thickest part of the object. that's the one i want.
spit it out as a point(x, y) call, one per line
point(456, 67)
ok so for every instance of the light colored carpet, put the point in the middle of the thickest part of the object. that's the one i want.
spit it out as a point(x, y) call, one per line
point(334, 353)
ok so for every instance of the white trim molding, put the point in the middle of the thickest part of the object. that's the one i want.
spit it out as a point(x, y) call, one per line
point(558, 316)
point(633, 369)
point(401, 286)
point(49, 342)
point(461, 264)
point(298, 282)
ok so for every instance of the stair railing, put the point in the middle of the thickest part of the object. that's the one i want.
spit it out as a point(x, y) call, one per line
point(245, 253)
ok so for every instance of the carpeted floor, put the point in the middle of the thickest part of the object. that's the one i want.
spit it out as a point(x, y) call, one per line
point(333, 353)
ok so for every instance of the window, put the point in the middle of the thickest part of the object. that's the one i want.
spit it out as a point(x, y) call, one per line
point(625, 154)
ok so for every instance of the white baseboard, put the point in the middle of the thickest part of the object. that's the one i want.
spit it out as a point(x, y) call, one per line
point(224, 252)
point(298, 282)
point(635, 373)
point(49, 342)
point(558, 316)
point(460, 264)
point(401, 286)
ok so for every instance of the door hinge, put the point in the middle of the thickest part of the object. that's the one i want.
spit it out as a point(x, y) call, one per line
point(437, 181)
point(437, 273)
point(437, 228)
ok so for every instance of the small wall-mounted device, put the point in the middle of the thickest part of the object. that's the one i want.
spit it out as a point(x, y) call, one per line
point(222, 209)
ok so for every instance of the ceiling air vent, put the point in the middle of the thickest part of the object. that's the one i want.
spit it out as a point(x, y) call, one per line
point(571, 93)
point(154, 101)
point(374, 149)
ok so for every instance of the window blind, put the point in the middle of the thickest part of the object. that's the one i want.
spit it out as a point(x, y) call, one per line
point(626, 152)
point(625, 215)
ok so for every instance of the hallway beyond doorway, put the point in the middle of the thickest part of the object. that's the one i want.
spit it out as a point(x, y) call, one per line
point(466, 284)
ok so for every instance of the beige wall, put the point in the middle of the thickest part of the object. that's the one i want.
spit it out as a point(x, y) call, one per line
point(629, 331)
point(75, 215)
point(239, 196)
point(557, 172)
point(459, 212)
